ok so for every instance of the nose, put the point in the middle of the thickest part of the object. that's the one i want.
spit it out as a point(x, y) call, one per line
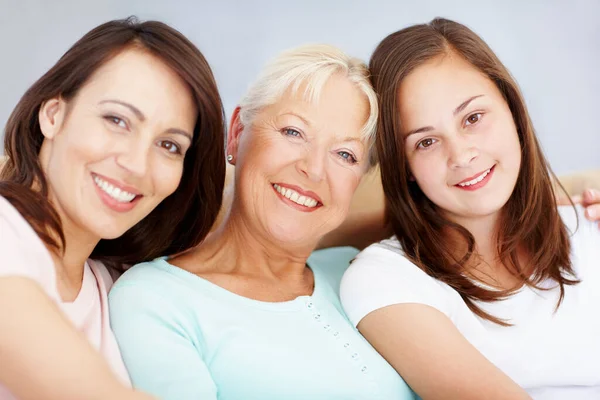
point(312, 165)
point(462, 153)
point(135, 157)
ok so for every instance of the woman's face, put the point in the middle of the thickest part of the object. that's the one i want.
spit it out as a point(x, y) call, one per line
point(115, 151)
point(460, 138)
point(299, 162)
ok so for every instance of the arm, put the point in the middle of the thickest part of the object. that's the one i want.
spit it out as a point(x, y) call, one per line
point(433, 357)
point(43, 356)
point(162, 359)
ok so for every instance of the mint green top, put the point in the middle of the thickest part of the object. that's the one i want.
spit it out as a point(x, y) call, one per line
point(183, 337)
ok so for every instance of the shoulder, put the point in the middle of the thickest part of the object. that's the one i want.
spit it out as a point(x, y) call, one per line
point(331, 263)
point(150, 276)
point(13, 225)
point(23, 252)
point(381, 276)
point(576, 223)
point(147, 295)
point(584, 236)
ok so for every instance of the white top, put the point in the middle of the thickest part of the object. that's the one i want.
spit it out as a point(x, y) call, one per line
point(552, 355)
point(25, 255)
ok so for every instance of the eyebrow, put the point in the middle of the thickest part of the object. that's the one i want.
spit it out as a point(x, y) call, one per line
point(182, 133)
point(307, 122)
point(131, 107)
point(140, 115)
point(458, 109)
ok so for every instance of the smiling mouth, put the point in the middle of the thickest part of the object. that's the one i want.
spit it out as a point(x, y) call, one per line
point(477, 179)
point(115, 193)
point(296, 197)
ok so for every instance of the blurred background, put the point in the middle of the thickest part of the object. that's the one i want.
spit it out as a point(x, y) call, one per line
point(552, 47)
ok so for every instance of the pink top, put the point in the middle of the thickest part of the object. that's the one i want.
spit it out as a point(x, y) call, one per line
point(24, 254)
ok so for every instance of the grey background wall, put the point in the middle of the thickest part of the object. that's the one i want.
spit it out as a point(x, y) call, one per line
point(552, 47)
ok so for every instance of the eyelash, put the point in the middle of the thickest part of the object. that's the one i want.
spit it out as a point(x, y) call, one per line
point(466, 123)
point(420, 144)
point(479, 116)
point(286, 132)
point(113, 118)
point(350, 160)
point(177, 151)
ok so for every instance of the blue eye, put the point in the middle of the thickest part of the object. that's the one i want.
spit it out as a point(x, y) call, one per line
point(291, 132)
point(348, 157)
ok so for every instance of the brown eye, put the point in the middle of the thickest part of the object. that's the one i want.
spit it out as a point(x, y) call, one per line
point(170, 147)
point(473, 119)
point(426, 143)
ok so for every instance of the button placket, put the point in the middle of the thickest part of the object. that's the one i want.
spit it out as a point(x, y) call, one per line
point(353, 355)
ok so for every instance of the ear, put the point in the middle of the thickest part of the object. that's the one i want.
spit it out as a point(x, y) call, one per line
point(51, 116)
point(235, 131)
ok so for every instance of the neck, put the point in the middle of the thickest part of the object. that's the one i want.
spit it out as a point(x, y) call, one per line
point(485, 265)
point(78, 247)
point(237, 247)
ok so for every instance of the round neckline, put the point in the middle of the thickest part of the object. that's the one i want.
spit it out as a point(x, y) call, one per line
point(287, 305)
point(87, 293)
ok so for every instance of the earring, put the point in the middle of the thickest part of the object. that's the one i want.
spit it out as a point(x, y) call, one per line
point(229, 158)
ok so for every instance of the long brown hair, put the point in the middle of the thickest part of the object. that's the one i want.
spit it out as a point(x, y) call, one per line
point(530, 220)
point(183, 219)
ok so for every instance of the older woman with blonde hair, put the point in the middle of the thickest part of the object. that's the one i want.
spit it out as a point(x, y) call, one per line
point(248, 314)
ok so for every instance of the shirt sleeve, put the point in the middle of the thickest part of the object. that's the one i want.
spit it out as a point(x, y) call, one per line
point(381, 276)
point(585, 242)
point(160, 356)
point(23, 253)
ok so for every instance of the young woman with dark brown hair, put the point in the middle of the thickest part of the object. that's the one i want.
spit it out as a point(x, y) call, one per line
point(487, 288)
point(114, 156)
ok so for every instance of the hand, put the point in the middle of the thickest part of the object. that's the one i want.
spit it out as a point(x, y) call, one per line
point(590, 199)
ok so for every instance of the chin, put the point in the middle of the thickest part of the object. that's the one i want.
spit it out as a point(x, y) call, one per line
point(109, 231)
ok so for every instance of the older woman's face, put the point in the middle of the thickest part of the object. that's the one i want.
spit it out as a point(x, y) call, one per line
point(299, 162)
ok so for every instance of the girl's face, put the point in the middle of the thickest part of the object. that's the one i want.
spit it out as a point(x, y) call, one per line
point(115, 151)
point(461, 141)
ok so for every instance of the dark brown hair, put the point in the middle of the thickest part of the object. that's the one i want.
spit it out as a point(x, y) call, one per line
point(530, 219)
point(183, 219)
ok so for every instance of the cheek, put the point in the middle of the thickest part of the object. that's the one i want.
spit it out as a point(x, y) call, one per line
point(425, 170)
point(343, 187)
point(166, 176)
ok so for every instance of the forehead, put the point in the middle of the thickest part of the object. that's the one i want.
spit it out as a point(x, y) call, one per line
point(441, 83)
point(138, 77)
point(340, 108)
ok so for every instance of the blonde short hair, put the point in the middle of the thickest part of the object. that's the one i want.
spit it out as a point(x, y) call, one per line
point(311, 65)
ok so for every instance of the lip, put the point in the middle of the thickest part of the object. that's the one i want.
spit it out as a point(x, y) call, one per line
point(478, 185)
point(118, 184)
point(301, 192)
point(112, 203)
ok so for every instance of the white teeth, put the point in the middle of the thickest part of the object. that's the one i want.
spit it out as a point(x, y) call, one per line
point(120, 195)
point(476, 180)
point(296, 197)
